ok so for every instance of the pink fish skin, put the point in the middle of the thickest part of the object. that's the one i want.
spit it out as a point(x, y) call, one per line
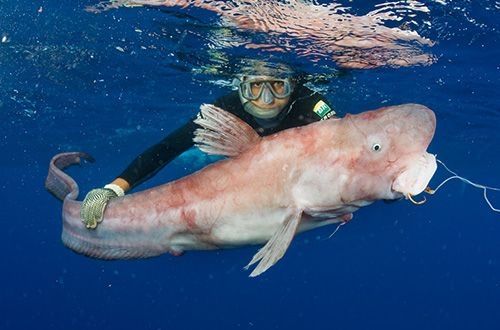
point(270, 189)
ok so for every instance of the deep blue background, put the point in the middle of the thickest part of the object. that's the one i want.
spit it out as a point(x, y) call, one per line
point(65, 86)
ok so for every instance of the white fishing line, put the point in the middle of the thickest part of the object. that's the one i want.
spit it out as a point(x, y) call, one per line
point(336, 229)
point(456, 176)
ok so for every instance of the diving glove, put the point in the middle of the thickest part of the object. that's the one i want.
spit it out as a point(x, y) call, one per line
point(94, 204)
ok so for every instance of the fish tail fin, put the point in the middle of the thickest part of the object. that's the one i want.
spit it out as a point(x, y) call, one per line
point(222, 133)
point(60, 184)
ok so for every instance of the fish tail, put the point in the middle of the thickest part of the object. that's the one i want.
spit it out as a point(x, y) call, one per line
point(60, 184)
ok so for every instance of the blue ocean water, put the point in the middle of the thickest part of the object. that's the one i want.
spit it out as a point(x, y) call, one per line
point(113, 83)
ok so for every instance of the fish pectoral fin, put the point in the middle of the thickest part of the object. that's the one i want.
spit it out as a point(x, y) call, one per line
point(222, 133)
point(276, 247)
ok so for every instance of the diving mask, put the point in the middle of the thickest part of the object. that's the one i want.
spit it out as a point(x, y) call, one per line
point(266, 88)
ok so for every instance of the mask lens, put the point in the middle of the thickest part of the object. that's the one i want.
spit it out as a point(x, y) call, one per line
point(280, 88)
point(256, 88)
point(252, 90)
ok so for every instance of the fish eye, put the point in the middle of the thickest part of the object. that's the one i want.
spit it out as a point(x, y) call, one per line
point(376, 147)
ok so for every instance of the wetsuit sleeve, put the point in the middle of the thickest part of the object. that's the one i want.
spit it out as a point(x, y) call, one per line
point(157, 156)
point(148, 163)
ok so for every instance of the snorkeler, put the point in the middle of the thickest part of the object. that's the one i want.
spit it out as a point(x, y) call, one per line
point(270, 99)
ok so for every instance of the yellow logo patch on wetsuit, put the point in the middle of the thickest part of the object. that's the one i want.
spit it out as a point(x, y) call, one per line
point(323, 110)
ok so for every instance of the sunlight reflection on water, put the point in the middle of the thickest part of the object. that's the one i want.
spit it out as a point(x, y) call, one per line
point(314, 31)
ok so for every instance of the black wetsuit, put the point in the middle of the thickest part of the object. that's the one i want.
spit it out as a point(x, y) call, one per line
point(305, 107)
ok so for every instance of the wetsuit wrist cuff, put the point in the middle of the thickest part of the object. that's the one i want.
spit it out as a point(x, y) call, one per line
point(116, 188)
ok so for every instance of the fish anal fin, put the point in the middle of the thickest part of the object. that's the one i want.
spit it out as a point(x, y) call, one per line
point(222, 133)
point(276, 247)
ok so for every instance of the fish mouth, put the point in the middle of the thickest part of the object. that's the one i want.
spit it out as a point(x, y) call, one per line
point(415, 178)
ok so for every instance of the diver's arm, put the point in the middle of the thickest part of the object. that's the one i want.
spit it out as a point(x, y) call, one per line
point(159, 155)
point(140, 169)
point(149, 162)
point(143, 167)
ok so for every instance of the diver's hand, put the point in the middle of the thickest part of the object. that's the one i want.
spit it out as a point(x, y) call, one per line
point(94, 204)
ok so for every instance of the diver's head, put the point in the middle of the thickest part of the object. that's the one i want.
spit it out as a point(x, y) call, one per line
point(265, 89)
point(264, 96)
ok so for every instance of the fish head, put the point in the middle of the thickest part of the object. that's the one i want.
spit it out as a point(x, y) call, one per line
point(391, 146)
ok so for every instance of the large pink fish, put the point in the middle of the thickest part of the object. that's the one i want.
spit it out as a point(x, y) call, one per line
point(269, 189)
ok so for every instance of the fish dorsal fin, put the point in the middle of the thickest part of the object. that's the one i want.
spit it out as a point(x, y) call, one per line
point(276, 247)
point(222, 133)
